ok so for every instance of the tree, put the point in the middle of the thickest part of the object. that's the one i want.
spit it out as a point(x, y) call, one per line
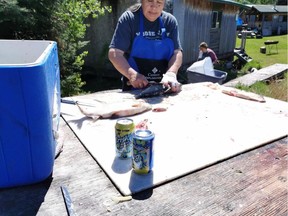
point(59, 20)
point(70, 28)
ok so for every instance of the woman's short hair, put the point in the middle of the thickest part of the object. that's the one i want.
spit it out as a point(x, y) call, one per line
point(204, 45)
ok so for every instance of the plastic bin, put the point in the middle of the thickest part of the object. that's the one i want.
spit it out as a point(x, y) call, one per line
point(30, 110)
point(216, 76)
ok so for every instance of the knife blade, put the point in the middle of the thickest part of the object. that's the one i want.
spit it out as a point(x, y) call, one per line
point(73, 102)
point(68, 202)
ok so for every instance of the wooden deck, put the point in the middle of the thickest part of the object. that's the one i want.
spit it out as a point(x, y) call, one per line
point(259, 75)
point(253, 183)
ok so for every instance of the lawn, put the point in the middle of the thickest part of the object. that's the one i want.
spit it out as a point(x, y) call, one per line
point(253, 50)
point(277, 88)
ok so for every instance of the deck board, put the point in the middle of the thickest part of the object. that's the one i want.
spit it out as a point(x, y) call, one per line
point(186, 150)
point(253, 183)
point(259, 75)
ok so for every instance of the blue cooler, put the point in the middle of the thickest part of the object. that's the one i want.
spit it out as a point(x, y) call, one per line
point(29, 110)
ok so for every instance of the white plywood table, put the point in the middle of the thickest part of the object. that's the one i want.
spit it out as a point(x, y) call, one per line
point(201, 126)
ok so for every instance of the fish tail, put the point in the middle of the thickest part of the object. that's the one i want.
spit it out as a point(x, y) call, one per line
point(84, 112)
point(80, 108)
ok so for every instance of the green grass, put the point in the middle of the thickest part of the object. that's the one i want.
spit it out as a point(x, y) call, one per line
point(253, 50)
point(277, 89)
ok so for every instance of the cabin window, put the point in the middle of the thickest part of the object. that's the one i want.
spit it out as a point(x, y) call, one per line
point(216, 19)
point(268, 18)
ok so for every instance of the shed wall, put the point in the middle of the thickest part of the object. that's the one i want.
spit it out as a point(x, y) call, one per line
point(228, 34)
point(195, 19)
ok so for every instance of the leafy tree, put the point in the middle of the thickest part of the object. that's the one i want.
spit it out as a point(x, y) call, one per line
point(69, 25)
point(59, 20)
point(12, 18)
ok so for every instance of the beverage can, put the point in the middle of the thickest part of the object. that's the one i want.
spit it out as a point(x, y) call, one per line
point(143, 151)
point(124, 129)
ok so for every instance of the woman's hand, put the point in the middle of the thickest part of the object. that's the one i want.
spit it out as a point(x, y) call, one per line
point(117, 58)
point(137, 80)
point(170, 79)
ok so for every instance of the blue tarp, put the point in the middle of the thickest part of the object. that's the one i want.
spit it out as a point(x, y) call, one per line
point(239, 21)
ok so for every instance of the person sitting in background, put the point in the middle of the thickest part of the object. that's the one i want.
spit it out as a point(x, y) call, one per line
point(206, 52)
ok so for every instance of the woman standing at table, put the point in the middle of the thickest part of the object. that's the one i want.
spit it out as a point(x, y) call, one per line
point(145, 46)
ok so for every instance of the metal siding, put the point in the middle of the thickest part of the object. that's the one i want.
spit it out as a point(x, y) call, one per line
point(228, 33)
point(196, 29)
point(215, 37)
point(178, 12)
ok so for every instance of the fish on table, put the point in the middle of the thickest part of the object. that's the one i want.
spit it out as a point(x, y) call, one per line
point(154, 89)
point(123, 109)
point(115, 110)
point(237, 92)
point(243, 94)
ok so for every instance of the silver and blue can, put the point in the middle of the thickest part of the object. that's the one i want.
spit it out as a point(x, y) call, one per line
point(143, 151)
point(124, 130)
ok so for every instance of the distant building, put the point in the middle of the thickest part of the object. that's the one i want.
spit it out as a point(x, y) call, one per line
point(212, 21)
point(269, 19)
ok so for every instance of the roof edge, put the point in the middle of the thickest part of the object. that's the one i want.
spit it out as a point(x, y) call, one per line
point(230, 2)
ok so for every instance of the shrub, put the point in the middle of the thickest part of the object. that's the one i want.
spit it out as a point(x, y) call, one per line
point(70, 28)
point(59, 20)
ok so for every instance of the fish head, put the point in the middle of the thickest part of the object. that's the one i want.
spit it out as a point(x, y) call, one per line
point(153, 90)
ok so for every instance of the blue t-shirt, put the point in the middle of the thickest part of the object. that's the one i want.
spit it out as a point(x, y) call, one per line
point(128, 28)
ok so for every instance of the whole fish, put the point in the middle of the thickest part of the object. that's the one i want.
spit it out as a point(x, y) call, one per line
point(115, 110)
point(153, 90)
point(243, 94)
point(237, 92)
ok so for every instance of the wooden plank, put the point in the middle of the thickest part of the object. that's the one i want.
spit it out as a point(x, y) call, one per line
point(254, 183)
point(245, 185)
point(259, 75)
point(200, 107)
